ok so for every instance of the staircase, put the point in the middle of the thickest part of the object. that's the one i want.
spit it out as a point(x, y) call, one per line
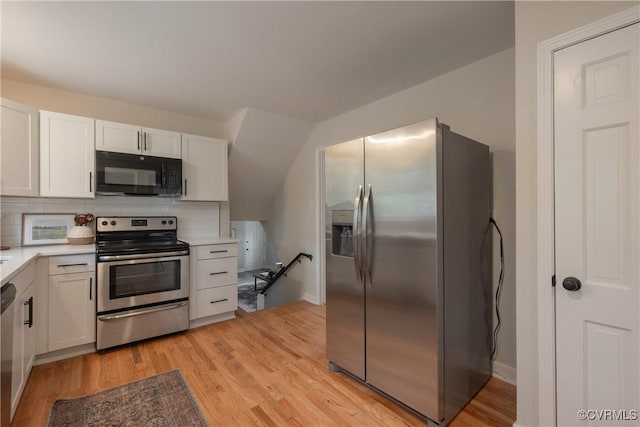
point(283, 296)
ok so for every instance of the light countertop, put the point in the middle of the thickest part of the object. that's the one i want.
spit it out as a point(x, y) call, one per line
point(21, 256)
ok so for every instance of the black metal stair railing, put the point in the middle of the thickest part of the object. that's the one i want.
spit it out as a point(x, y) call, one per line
point(283, 271)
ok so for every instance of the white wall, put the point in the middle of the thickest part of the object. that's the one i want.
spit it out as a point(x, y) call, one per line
point(478, 101)
point(271, 252)
point(44, 98)
point(264, 146)
point(536, 22)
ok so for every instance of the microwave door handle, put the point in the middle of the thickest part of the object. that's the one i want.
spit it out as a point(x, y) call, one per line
point(163, 175)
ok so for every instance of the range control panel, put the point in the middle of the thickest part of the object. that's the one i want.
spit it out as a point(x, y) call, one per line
point(129, 223)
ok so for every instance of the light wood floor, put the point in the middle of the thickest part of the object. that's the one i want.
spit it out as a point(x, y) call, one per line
point(263, 368)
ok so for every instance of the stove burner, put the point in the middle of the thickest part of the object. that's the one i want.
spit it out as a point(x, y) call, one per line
point(139, 246)
point(136, 235)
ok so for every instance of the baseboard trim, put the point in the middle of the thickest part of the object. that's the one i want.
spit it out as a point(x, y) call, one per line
point(211, 319)
point(54, 356)
point(504, 372)
point(310, 298)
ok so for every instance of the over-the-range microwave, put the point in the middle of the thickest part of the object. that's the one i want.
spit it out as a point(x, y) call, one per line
point(137, 175)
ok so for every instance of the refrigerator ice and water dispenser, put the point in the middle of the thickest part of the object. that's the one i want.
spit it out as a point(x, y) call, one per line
point(342, 233)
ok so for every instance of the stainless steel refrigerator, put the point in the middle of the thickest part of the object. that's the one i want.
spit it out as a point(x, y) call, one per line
point(408, 265)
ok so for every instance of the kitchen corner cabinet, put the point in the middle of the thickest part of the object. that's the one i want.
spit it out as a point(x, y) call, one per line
point(204, 168)
point(24, 348)
point(20, 137)
point(124, 138)
point(214, 280)
point(72, 303)
point(67, 155)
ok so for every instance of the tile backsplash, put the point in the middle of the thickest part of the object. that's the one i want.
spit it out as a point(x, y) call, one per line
point(195, 219)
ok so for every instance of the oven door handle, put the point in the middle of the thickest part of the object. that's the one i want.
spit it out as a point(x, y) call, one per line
point(143, 311)
point(141, 256)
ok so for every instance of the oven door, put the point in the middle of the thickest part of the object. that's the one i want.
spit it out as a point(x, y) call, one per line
point(140, 280)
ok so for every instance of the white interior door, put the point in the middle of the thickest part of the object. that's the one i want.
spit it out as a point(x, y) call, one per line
point(255, 245)
point(239, 227)
point(597, 192)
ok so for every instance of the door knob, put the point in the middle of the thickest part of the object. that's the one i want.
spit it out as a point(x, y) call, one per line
point(571, 284)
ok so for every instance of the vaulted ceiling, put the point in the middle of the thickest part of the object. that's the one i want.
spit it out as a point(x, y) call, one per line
point(269, 70)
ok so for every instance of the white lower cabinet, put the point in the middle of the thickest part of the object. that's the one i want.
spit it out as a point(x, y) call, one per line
point(23, 333)
point(54, 310)
point(217, 272)
point(72, 301)
point(217, 300)
point(214, 280)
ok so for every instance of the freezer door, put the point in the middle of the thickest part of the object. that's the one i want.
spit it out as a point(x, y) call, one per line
point(401, 268)
point(344, 173)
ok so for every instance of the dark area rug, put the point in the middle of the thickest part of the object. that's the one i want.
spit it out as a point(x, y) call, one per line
point(163, 400)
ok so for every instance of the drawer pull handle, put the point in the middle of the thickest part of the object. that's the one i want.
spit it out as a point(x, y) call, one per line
point(218, 252)
point(218, 272)
point(219, 300)
point(144, 311)
point(72, 265)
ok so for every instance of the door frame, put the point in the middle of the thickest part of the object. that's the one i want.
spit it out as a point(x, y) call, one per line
point(545, 198)
point(321, 284)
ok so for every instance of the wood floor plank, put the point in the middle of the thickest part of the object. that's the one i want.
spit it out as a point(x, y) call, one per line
point(266, 368)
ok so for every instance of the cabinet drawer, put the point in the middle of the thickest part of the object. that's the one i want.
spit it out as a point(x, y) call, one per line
point(71, 264)
point(217, 251)
point(217, 272)
point(217, 300)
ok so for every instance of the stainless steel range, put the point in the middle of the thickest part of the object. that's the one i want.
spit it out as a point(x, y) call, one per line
point(142, 279)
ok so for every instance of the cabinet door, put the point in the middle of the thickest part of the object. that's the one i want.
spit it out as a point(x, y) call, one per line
point(16, 363)
point(161, 143)
point(23, 344)
point(204, 168)
point(72, 310)
point(20, 174)
point(29, 329)
point(67, 155)
point(118, 137)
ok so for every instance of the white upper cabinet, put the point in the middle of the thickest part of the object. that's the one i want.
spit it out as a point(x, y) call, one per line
point(118, 137)
point(124, 138)
point(161, 143)
point(67, 155)
point(19, 150)
point(204, 168)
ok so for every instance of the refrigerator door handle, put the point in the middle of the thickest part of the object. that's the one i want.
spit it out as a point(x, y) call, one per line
point(366, 242)
point(357, 211)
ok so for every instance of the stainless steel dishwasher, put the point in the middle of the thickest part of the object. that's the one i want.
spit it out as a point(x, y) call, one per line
point(7, 295)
